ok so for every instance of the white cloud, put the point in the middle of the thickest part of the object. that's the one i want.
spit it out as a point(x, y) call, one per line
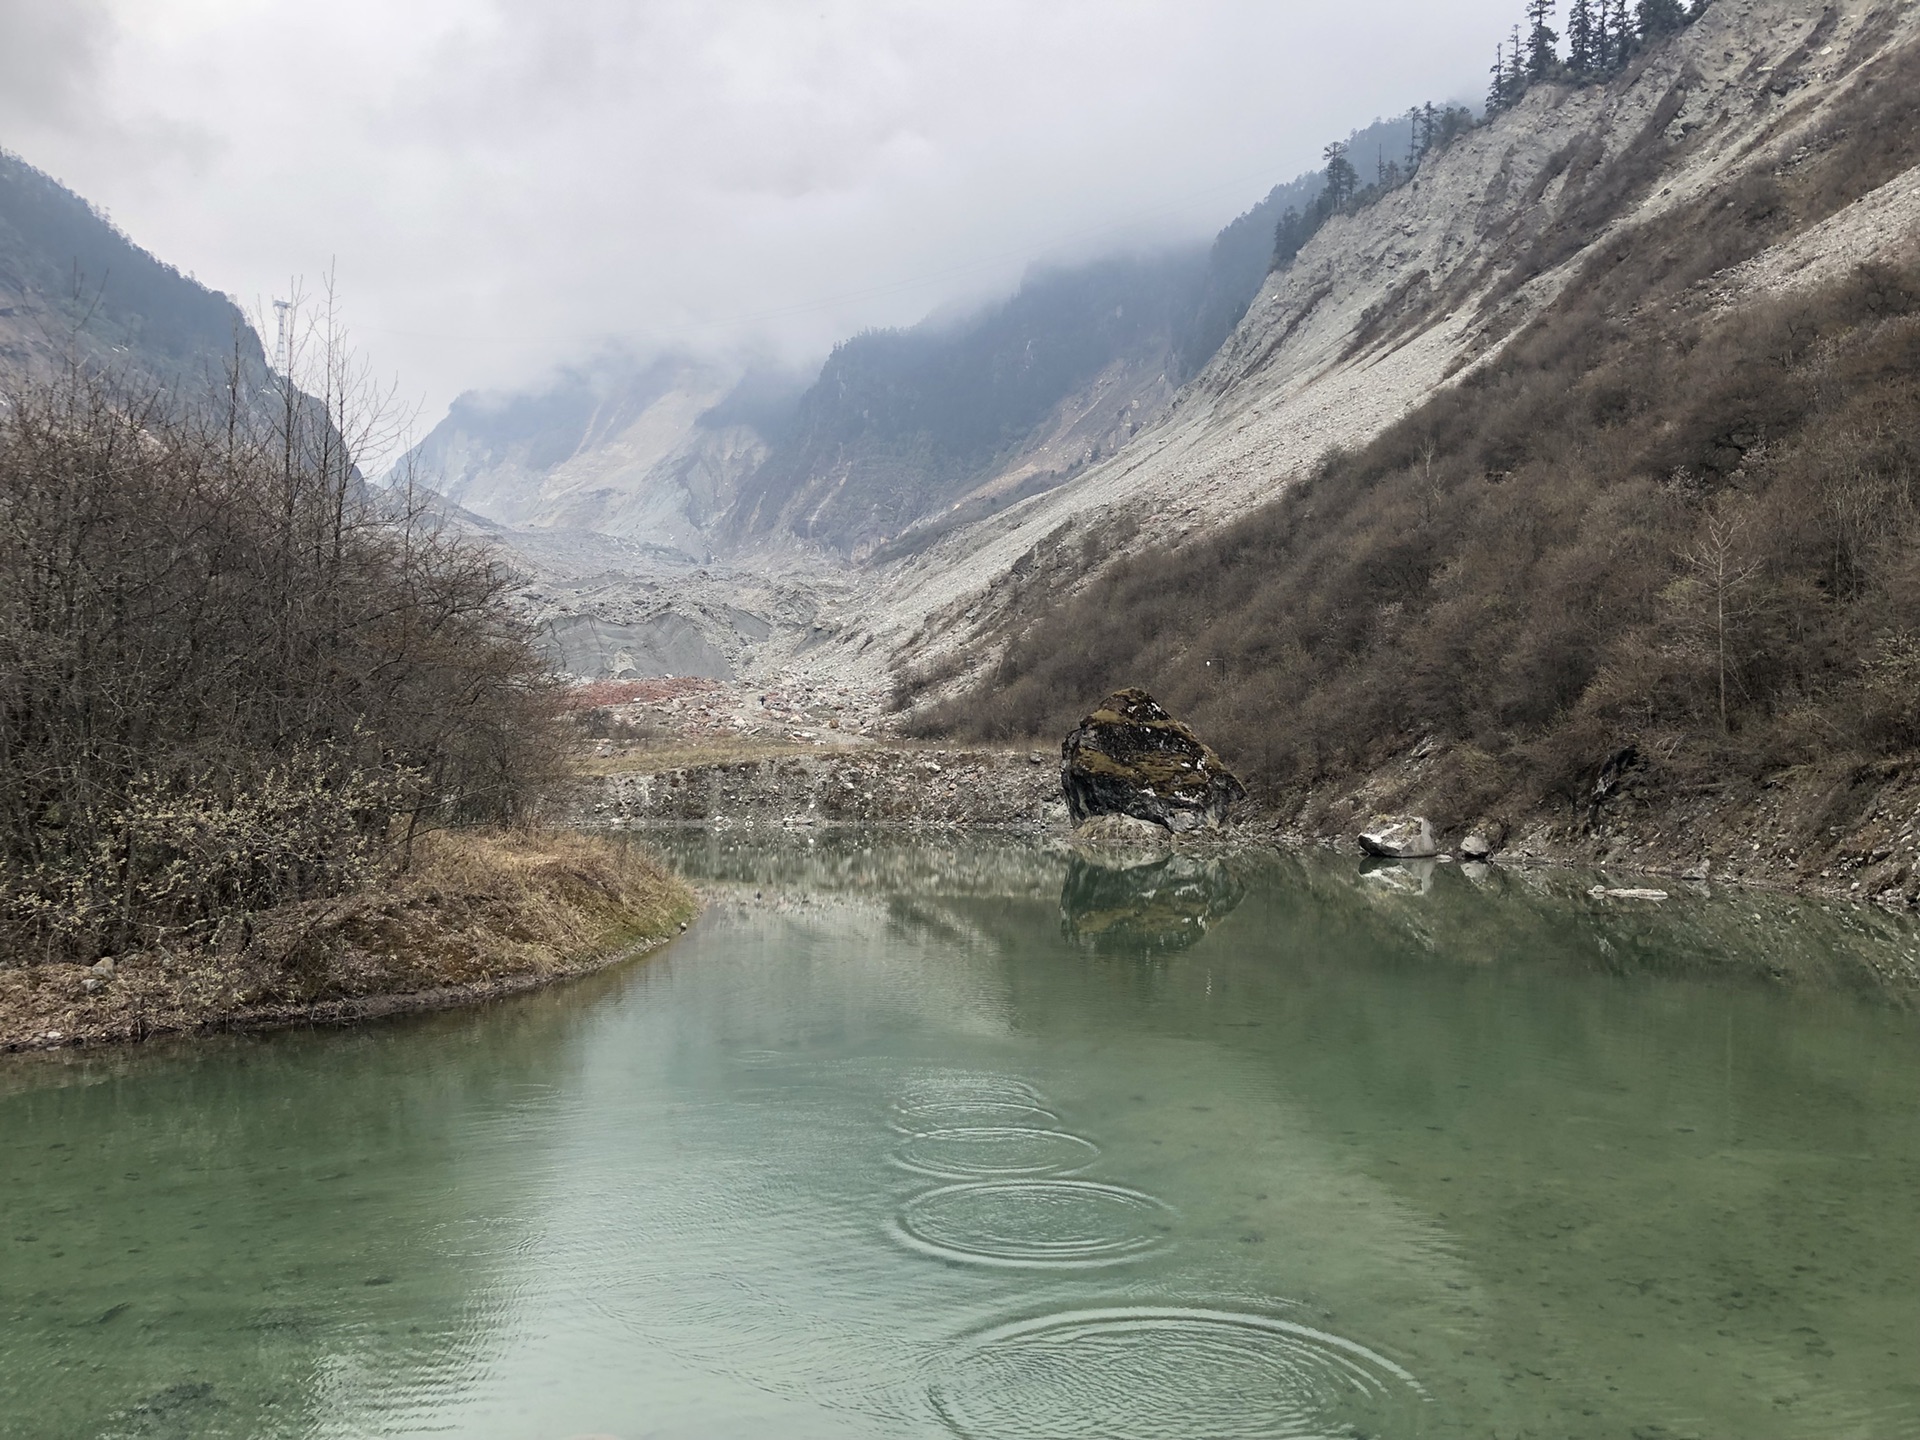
point(506, 185)
point(48, 53)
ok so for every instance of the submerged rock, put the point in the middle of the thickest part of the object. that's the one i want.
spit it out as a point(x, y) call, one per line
point(1400, 837)
point(1121, 842)
point(1130, 757)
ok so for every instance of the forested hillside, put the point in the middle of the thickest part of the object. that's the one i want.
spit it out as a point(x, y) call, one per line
point(71, 285)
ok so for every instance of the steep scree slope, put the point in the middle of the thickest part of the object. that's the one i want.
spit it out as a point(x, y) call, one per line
point(653, 451)
point(1641, 578)
point(1385, 307)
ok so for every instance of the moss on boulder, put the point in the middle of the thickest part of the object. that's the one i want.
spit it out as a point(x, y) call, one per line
point(1130, 757)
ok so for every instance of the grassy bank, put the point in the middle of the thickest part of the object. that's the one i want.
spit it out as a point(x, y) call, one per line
point(477, 914)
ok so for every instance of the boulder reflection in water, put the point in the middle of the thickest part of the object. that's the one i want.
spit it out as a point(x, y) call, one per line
point(1148, 908)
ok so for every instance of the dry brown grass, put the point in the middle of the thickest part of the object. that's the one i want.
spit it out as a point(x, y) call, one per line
point(476, 914)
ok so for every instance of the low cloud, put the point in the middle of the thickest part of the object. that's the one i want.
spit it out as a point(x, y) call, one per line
point(49, 53)
point(507, 186)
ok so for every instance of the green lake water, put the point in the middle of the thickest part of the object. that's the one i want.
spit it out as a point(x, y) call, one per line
point(918, 1138)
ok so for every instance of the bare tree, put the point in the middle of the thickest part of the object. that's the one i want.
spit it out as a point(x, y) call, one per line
point(230, 670)
point(1719, 581)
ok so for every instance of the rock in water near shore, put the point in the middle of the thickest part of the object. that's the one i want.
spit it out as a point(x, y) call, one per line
point(1130, 757)
point(1122, 842)
point(1400, 837)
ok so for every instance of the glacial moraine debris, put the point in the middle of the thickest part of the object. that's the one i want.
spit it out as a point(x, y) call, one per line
point(1130, 757)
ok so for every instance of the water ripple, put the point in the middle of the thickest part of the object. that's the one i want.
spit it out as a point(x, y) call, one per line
point(1032, 1224)
point(966, 1087)
point(1156, 1371)
point(959, 1114)
point(987, 1152)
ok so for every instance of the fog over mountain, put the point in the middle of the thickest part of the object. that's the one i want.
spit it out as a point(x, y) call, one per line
point(505, 188)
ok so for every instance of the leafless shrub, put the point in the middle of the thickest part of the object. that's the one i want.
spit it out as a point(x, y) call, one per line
point(1693, 532)
point(230, 674)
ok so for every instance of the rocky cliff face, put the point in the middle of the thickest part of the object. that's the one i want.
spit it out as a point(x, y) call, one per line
point(652, 452)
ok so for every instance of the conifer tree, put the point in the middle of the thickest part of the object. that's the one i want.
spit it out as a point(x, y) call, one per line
point(1619, 36)
point(1660, 17)
point(1516, 66)
point(1342, 179)
point(1543, 56)
point(1583, 60)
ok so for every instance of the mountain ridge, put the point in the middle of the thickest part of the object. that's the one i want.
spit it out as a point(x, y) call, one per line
point(878, 454)
point(74, 289)
point(1387, 306)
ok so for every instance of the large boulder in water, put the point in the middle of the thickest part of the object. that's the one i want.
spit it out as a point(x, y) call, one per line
point(1130, 757)
point(1121, 842)
point(1400, 837)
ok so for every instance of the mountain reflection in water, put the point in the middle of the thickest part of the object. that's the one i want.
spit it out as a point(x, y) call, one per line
point(947, 1135)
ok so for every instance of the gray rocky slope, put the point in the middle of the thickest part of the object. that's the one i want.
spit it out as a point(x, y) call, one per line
point(1381, 309)
point(640, 451)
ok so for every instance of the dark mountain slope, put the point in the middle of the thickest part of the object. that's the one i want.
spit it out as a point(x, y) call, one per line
point(903, 423)
point(71, 285)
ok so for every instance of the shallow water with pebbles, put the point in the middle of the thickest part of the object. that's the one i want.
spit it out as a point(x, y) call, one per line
point(885, 1147)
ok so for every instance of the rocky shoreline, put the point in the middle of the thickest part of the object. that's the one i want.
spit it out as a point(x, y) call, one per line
point(1727, 839)
point(1006, 789)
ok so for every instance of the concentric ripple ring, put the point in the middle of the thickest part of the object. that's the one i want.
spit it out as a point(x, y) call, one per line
point(959, 1114)
point(1134, 1372)
point(1034, 1224)
point(987, 1152)
point(964, 1088)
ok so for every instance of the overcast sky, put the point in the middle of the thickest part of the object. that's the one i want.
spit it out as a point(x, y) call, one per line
point(503, 185)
